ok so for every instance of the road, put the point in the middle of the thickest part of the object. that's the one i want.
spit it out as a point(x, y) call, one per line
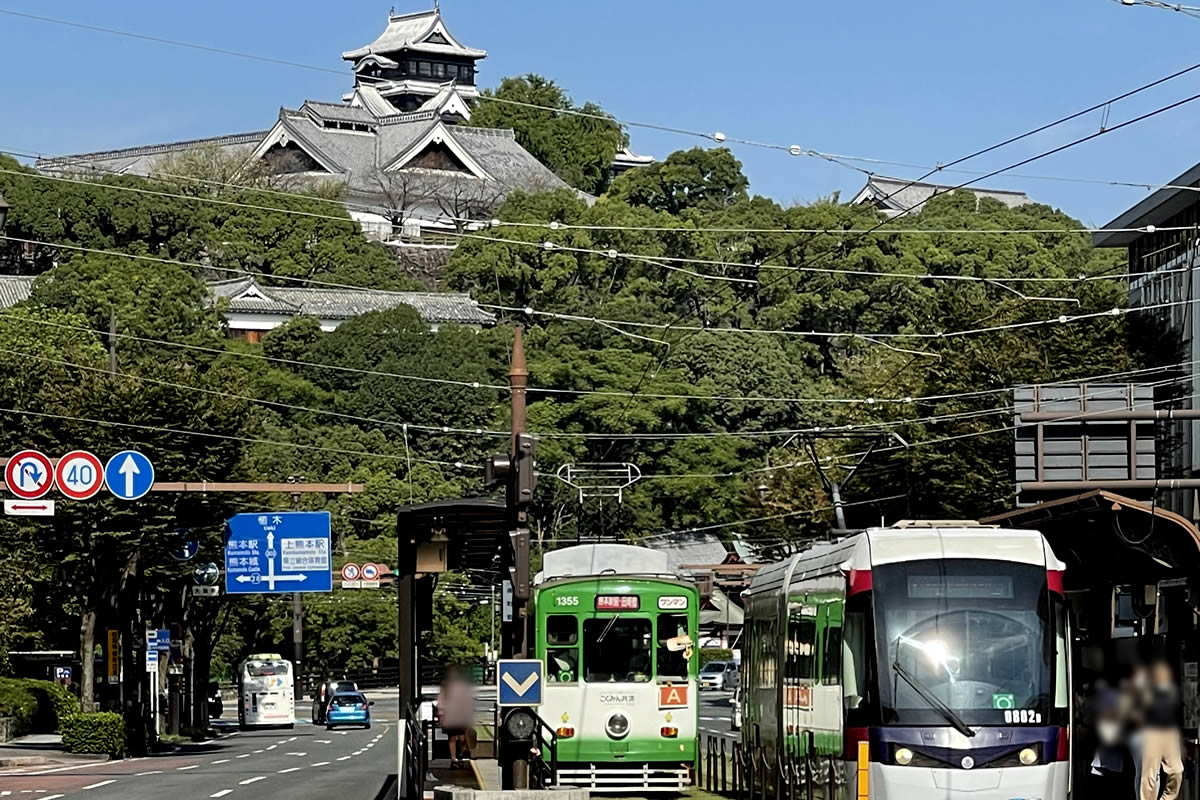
point(715, 712)
point(298, 764)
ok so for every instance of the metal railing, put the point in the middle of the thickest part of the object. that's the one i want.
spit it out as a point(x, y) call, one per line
point(543, 774)
point(749, 772)
point(416, 755)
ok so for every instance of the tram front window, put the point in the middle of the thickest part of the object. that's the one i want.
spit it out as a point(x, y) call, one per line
point(971, 634)
point(616, 650)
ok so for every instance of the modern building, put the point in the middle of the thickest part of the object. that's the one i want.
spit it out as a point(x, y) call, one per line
point(251, 309)
point(1159, 237)
point(895, 195)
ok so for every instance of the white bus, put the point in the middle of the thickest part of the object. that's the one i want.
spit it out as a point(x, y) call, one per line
point(265, 692)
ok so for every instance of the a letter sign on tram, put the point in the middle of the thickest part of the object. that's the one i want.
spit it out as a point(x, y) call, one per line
point(617, 602)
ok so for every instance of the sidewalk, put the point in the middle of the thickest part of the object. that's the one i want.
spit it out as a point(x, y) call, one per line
point(41, 749)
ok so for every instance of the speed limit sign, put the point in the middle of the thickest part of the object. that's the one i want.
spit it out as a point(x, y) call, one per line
point(79, 475)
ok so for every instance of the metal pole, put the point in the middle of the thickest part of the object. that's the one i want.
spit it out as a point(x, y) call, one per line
point(839, 513)
point(297, 627)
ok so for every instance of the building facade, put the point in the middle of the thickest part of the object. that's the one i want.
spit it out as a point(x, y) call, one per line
point(894, 196)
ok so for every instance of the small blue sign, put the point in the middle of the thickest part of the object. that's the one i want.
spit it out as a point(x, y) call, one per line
point(519, 682)
point(129, 475)
point(278, 552)
point(163, 640)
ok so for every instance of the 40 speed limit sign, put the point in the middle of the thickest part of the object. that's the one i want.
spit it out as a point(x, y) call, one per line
point(79, 475)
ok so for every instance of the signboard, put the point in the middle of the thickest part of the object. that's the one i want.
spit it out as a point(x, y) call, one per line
point(29, 508)
point(519, 682)
point(350, 572)
point(79, 475)
point(62, 675)
point(672, 602)
point(163, 637)
point(798, 697)
point(29, 474)
point(129, 475)
point(113, 653)
point(506, 601)
point(186, 550)
point(617, 602)
point(151, 660)
point(206, 591)
point(672, 696)
point(278, 551)
point(370, 576)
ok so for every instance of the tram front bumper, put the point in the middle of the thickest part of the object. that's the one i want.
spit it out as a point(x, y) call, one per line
point(1042, 782)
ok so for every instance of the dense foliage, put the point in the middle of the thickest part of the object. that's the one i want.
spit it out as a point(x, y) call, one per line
point(685, 326)
point(102, 732)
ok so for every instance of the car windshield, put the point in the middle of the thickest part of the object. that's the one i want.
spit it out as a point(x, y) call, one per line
point(349, 700)
point(713, 666)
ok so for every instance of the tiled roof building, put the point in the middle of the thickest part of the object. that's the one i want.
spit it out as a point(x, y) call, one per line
point(894, 195)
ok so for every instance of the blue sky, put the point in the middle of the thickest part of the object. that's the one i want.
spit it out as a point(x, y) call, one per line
point(916, 82)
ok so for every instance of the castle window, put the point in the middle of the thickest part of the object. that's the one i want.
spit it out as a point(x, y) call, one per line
point(424, 68)
point(439, 70)
point(410, 67)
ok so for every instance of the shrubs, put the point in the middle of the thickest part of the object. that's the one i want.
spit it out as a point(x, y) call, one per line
point(35, 706)
point(100, 732)
point(708, 654)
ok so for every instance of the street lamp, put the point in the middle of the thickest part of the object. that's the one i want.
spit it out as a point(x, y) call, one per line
point(4, 207)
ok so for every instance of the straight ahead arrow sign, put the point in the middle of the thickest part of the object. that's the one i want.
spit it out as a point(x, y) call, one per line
point(129, 469)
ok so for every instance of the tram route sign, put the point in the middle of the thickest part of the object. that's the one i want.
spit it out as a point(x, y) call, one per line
point(278, 552)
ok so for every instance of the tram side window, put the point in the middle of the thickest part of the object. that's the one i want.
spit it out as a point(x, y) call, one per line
point(562, 648)
point(801, 648)
point(831, 656)
point(857, 647)
point(1062, 691)
point(673, 650)
point(616, 649)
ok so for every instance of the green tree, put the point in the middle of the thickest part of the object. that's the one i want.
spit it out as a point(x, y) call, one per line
point(579, 149)
point(700, 178)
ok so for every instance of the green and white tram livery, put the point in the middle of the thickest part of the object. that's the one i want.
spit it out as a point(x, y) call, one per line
point(617, 631)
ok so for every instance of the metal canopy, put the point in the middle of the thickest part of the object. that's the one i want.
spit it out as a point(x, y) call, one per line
point(475, 528)
point(1105, 537)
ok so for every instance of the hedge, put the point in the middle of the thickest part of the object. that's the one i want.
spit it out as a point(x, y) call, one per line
point(100, 732)
point(35, 706)
point(708, 654)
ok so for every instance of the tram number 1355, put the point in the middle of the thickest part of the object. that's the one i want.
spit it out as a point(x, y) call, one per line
point(567, 600)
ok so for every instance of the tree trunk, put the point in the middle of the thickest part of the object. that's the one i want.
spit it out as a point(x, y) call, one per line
point(201, 666)
point(87, 660)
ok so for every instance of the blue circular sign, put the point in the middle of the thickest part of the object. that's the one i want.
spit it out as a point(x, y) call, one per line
point(129, 475)
point(186, 550)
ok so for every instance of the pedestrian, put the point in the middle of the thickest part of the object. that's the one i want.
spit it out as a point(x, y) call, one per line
point(1162, 739)
point(456, 714)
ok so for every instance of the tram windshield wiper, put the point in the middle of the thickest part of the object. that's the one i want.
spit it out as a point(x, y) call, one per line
point(933, 700)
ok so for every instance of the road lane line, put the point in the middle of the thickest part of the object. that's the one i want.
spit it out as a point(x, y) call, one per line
point(244, 755)
point(343, 758)
point(255, 779)
point(321, 764)
point(294, 738)
point(289, 769)
point(323, 741)
point(101, 783)
point(222, 761)
point(221, 793)
point(189, 766)
point(53, 796)
point(140, 774)
point(297, 754)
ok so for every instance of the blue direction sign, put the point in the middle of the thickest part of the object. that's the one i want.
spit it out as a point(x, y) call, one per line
point(129, 475)
point(276, 552)
point(186, 550)
point(519, 682)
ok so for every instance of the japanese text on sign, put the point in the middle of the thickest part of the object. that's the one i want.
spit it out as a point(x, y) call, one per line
point(617, 602)
point(299, 555)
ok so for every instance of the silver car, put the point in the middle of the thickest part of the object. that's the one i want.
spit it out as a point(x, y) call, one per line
point(720, 675)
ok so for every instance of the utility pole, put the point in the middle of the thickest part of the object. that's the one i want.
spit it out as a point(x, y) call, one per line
point(112, 341)
point(517, 471)
point(297, 622)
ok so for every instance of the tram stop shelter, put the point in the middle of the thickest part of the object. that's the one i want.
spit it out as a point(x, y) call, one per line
point(1132, 584)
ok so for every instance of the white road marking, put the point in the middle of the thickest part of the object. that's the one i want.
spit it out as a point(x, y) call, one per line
point(321, 764)
point(151, 772)
point(272, 747)
point(358, 752)
point(5, 793)
point(101, 783)
point(323, 741)
point(244, 755)
point(711, 719)
point(343, 758)
point(255, 779)
point(221, 793)
point(297, 754)
point(342, 733)
point(189, 766)
point(294, 738)
point(222, 761)
point(53, 796)
point(256, 752)
point(289, 769)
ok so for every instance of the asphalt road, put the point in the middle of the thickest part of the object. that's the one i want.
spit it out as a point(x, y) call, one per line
point(715, 715)
point(304, 763)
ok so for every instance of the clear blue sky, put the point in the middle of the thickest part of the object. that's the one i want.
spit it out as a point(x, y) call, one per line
point(917, 82)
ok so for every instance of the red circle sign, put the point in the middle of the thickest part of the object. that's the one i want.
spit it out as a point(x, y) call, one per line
point(350, 572)
point(370, 572)
point(29, 474)
point(79, 475)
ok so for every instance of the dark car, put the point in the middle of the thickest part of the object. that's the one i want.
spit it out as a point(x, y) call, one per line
point(215, 706)
point(348, 708)
point(324, 692)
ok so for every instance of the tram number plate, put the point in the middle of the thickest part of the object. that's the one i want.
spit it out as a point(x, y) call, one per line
point(673, 603)
point(1022, 716)
point(567, 600)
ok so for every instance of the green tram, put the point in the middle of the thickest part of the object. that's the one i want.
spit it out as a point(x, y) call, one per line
point(617, 631)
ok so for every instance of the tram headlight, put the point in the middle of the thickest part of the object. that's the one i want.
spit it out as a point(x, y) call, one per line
point(617, 726)
point(903, 756)
point(1028, 756)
